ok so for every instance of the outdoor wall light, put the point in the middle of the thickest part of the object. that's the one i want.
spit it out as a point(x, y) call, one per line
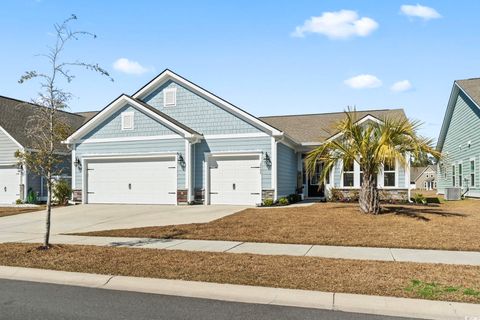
point(77, 163)
point(267, 160)
point(20, 167)
point(181, 160)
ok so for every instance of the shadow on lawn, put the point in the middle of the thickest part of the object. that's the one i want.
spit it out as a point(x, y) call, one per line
point(419, 213)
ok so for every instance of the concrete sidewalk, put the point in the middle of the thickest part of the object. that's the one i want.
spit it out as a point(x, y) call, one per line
point(340, 252)
point(403, 307)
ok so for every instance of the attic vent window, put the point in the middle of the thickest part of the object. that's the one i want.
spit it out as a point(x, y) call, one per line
point(170, 97)
point(127, 121)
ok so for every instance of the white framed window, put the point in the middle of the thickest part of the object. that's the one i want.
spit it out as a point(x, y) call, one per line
point(348, 174)
point(460, 175)
point(127, 120)
point(453, 176)
point(170, 97)
point(389, 175)
point(472, 172)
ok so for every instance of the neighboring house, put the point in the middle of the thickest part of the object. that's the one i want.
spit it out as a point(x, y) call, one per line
point(15, 179)
point(459, 139)
point(424, 178)
point(174, 142)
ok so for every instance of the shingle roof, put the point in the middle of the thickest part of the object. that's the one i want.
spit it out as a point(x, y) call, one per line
point(415, 172)
point(14, 115)
point(87, 115)
point(321, 126)
point(471, 88)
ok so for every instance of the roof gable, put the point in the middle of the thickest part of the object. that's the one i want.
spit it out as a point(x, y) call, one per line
point(471, 90)
point(122, 101)
point(168, 75)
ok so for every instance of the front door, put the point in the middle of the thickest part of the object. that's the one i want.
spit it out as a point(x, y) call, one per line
point(316, 188)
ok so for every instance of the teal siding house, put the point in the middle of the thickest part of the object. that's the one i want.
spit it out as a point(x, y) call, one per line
point(174, 142)
point(459, 140)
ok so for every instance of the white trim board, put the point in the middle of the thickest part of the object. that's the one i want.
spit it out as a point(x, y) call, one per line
point(139, 138)
point(169, 75)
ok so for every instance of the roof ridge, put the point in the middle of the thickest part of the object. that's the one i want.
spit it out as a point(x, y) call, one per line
point(37, 105)
point(326, 113)
point(476, 78)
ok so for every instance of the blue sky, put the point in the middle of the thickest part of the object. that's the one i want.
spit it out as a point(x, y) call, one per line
point(267, 57)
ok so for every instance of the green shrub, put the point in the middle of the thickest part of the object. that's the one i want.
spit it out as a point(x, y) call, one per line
point(19, 201)
point(419, 198)
point(268, 202)
point(294, 198)
point(283, 201)
point(62, 192)
point(31, 196)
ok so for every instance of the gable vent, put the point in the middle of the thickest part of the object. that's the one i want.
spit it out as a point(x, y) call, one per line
point(127, 121)
point(170, 97)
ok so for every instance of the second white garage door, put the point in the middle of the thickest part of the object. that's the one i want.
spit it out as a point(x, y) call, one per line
point(132, 181)
point(9, 185)
point(235, 180)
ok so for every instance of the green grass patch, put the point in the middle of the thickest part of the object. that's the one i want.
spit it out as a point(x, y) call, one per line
point(431, 290)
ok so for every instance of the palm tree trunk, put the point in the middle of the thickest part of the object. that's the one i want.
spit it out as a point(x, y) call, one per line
point(369, 197)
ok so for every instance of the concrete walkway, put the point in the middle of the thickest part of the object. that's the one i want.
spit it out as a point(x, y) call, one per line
point(412, 308)
point(340, 252)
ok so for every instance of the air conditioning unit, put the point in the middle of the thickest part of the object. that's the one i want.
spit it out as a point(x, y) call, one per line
point(453, 193)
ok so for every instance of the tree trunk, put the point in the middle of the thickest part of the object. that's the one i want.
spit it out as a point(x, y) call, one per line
point(369, 198)
point(46, 241)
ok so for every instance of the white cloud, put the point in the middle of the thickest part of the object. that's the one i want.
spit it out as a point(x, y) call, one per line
point(128, 66)
point(401, 86)
point(363, 81)
point(420, 11)
point(337, 25)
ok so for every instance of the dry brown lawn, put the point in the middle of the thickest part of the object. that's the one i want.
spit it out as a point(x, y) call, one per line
point(447, 226)
point(10, 211)
point(334, 275)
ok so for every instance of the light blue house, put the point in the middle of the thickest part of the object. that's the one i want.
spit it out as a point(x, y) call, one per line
point(174, 142)
point(459, 140)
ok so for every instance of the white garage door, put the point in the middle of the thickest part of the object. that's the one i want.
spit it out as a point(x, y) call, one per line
point(132, 181)
point(235, 180)
point(9, 185)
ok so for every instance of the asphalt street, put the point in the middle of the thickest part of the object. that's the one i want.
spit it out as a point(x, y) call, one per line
point(30, 300)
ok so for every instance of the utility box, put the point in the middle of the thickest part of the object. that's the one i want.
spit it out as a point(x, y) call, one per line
point(453, 193)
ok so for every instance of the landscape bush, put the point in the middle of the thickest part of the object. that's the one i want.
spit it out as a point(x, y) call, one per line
point(268, 202)
point(62, 192)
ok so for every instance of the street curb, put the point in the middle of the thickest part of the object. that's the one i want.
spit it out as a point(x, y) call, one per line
point(390, 306)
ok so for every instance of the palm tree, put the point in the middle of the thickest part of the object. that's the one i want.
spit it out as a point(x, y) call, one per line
point(372, 145)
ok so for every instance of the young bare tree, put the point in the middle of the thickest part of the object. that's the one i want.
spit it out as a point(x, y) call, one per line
point(48, 126)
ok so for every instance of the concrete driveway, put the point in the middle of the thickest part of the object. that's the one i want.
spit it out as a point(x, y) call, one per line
point(93, 217)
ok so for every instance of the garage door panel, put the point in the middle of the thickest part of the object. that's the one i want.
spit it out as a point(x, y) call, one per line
point(9, 185)
point(132, 181)
point(235, 180)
